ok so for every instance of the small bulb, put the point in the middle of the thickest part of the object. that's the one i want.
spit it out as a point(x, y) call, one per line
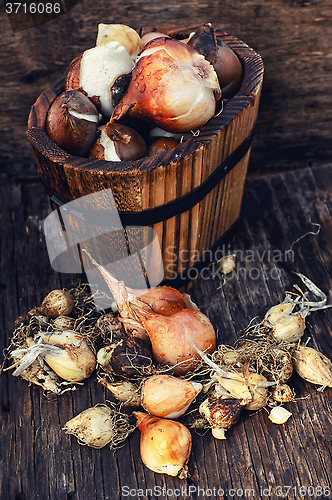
point(279, 415)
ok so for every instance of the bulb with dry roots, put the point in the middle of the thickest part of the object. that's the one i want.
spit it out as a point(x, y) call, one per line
point(99, 426)
point(173, 330)
point(165, 445)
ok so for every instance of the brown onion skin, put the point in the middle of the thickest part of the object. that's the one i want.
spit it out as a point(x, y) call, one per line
point(129, 145)
point(132, 357)
point(229, 70)
point(151, 36)
point(162, 146)
point(74, 135)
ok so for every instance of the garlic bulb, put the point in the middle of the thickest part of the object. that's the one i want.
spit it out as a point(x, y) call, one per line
point(73, 360)
point(279, 415)
point(167, 396)
point(121, 33)
point(313, 366)
point(221, 414)
point(172, 86)
point(99, 426)
point(289, 328)
point(165, 445)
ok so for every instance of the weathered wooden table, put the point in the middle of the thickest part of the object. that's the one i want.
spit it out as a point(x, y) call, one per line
point(286, 227)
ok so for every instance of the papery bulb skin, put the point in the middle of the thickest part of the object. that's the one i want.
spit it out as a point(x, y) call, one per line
point(313, 366)
point(151, 36)
point(72, 122)
point(171, 337)
point(75, 361)
point(168, 396)
point(165, 445)
point(289, 328)
point(172, 86)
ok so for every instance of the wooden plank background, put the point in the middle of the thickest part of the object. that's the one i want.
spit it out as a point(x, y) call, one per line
point(292, 147)
point(40, 461)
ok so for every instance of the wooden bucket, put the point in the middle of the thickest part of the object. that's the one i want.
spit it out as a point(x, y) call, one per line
point(190, 196)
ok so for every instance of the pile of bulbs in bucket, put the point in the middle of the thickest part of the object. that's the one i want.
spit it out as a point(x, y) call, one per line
point(158, 358)
point(130, 97)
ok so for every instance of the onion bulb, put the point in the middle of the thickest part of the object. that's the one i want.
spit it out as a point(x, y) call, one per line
point(167, 396)
point(289, 328)
point(72, 122)
point(172, 337)
point(96, 70)
point(251, 387)
point(162, 145)
point(165, 445)
point(73, 361)
point(172, 86)
point(221, 414)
